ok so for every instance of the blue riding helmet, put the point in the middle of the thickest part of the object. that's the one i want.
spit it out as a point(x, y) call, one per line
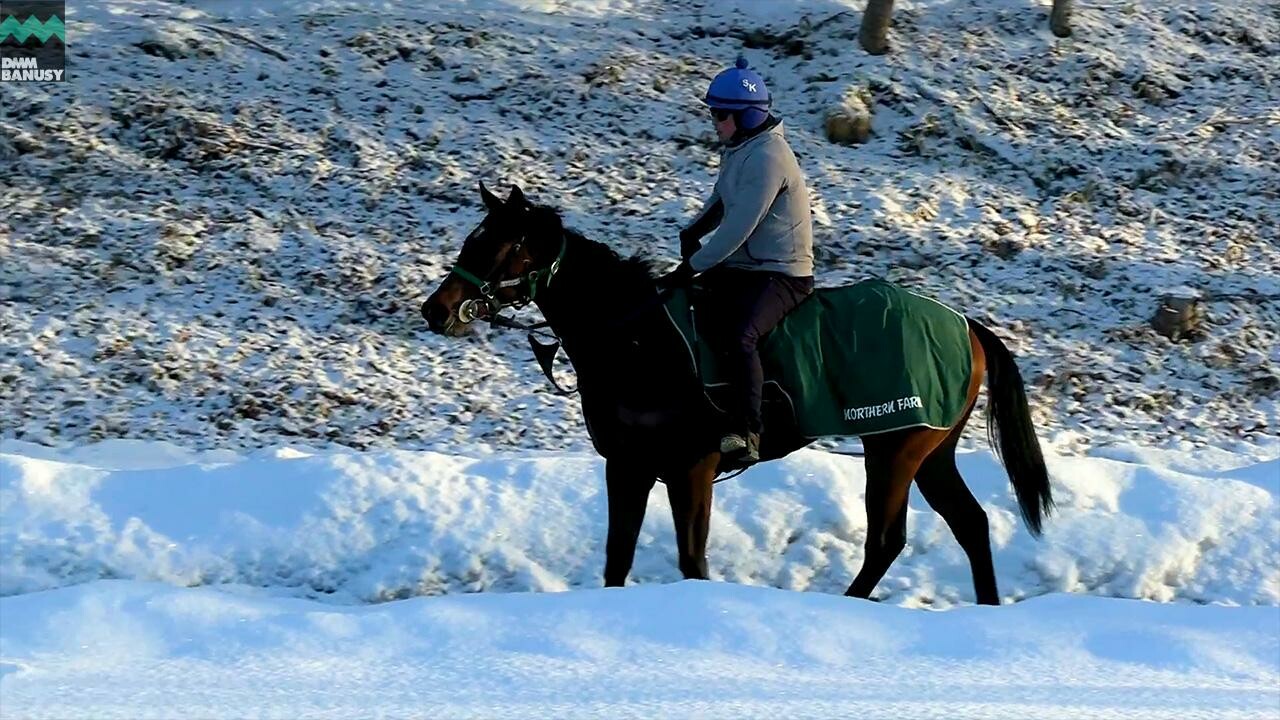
point(742, 90)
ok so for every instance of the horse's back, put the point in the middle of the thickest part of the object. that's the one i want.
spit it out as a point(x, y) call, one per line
point(863, 359)
point(871, 357)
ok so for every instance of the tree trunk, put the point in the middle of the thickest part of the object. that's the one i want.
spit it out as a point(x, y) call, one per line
point(1060, 19)
point(875, 26)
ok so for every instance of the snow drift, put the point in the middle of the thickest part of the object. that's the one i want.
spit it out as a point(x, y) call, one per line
point(366, 527)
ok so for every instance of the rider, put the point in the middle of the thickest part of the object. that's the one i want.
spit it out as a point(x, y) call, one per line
point(758, 264)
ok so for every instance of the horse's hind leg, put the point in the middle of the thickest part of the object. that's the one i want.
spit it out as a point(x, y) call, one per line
point(891, 461)
point(690, 496)
point(943, 488)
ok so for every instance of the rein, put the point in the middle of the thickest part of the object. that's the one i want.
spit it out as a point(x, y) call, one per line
point(545, 353)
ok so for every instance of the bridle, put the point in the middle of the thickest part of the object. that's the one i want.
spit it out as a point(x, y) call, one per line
point(487, 306)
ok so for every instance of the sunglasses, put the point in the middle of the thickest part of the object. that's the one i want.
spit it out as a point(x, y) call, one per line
point(720, 114)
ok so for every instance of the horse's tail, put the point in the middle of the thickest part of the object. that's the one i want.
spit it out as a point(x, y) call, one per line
point(1010, 431)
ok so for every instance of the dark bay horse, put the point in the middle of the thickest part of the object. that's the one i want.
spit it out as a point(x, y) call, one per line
point(648, 416)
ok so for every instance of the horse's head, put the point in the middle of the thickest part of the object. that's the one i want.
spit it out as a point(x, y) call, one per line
point(504, 262)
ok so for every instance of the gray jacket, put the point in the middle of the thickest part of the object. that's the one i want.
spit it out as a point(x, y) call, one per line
point(762, 207)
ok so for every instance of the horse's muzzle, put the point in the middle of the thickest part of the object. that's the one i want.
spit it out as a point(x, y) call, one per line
point(438, 316)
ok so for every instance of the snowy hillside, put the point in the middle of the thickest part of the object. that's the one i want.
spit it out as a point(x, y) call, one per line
point(218, 232)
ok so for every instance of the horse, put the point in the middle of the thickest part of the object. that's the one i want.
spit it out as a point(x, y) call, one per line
point(649, 417)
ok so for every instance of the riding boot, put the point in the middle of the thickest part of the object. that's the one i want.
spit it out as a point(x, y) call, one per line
point(743, 448)
point(753, 449)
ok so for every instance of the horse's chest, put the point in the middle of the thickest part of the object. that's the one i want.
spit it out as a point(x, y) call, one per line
point(622, 428)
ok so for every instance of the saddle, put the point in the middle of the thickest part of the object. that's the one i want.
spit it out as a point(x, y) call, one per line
point(855, 360)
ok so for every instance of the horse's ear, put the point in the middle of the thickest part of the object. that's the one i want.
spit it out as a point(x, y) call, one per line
point(517, 199)
point(491, 201)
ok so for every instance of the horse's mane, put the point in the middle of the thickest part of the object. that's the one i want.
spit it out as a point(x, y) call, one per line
point(637, 267)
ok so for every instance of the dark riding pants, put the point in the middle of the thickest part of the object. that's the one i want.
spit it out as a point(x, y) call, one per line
point(736, 310)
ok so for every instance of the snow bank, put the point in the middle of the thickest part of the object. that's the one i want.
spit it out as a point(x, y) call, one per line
point(366, 527)
point(693, 649)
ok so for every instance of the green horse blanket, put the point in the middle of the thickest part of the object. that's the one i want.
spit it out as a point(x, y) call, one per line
point(857, 360)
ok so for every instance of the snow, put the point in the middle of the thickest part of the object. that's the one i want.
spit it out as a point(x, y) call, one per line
point(208, 245)
point(141, 580)
point(239, 477)
point(129, 649)
point(351, 527)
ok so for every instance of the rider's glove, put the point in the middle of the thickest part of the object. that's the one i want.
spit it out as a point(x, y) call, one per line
point(688, 245)
point(680, 277)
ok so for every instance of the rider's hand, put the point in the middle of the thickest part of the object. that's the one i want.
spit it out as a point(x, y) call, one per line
point(680, 277)
point(688, 245)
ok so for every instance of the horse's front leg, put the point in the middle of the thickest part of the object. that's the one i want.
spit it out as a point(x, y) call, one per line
point(628, 497)
point(690, 495)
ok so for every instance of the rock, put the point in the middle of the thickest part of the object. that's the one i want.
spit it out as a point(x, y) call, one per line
point(847, 129)
point(173, 43)
point(849, 123)
point(1096, 270)
point(159, 48)
point(1179, 316)
point(1265, 383)
point(1150, 91)
point(15, 141)
point(1004, 247)
point(602, 73)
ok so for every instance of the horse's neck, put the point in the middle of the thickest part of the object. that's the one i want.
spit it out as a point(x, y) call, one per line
point(622, 347)
point(591, 294)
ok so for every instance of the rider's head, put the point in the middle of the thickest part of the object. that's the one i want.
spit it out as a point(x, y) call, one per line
point(738, 99)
